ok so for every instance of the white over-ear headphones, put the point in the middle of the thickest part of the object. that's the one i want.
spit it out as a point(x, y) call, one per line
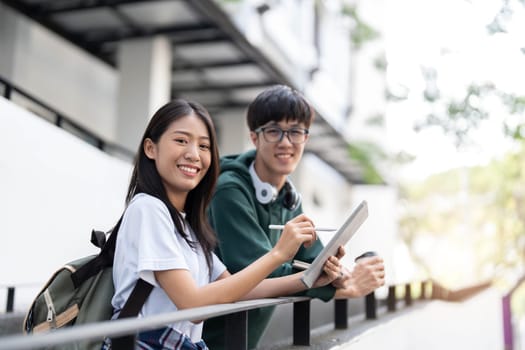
point(266, 193)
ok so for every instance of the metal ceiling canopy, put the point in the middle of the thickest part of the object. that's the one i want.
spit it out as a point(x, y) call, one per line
point(213, 62)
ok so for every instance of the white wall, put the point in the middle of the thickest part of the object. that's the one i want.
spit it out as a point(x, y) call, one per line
point(379, 232)
point(329, 87)
point(368, 84)
point(54, 189)
point(326, 194)
point(232, 132)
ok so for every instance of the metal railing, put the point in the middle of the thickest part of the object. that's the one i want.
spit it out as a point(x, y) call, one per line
point(236, 319)
point(236, 324)
point(62, 121)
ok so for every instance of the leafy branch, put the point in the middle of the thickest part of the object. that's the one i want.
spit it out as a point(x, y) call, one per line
point(361, 32)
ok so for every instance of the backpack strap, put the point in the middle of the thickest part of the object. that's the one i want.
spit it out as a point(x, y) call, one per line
point(98, 238)
point(102, 260)
point(136, 300)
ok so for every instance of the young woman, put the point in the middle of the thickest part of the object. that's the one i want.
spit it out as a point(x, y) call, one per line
point(165, 238)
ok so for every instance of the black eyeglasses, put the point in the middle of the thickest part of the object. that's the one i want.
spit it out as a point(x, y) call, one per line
point(275, 134)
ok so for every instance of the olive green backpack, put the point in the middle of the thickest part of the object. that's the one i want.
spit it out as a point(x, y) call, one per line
point(80, 292)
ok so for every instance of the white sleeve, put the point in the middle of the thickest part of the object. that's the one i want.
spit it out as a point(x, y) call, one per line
point(155, 235)
point(218, 267)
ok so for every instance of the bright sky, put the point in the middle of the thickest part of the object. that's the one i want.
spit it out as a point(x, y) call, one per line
point(449, 35)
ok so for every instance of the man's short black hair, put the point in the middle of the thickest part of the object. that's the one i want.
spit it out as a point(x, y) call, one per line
point(276, 103)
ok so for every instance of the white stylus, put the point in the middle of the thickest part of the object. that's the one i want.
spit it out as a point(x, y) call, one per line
point(280, 227)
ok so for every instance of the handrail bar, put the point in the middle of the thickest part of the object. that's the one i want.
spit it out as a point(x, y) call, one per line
point(236, 318)
point(120, 327)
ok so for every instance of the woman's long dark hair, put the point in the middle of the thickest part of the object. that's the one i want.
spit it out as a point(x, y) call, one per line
point(146, 179)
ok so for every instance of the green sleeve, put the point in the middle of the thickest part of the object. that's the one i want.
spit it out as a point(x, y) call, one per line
point(241, 238)
point(325, 293)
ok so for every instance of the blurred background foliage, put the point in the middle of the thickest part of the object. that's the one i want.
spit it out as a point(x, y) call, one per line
point(481, 209)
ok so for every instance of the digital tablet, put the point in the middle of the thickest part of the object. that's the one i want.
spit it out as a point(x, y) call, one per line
point(340, 238)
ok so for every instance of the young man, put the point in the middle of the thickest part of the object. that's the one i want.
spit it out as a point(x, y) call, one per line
point(253, 192)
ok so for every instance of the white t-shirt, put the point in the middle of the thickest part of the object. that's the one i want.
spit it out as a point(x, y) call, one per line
point(148, 241)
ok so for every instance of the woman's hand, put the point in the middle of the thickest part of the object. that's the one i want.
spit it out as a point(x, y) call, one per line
point(332, 270)
point(299, 230)
point(344, 276)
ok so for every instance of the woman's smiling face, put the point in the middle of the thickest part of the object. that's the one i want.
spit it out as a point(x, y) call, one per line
point(182, 157)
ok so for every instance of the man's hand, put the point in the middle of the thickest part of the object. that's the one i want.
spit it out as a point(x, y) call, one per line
point(368, 275)
point(299, 230)
point(343, 280)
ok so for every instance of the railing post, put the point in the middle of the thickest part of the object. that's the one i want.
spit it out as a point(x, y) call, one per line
point(341, 313)
point(391, 299)
point(301, 323)
point(10, 299)
point(408, 294)
point(58, 120)
point(7, 91)
point(508, 336)
point(370, 306)
point(236, 331)
point(423, 290)
point(101, 145)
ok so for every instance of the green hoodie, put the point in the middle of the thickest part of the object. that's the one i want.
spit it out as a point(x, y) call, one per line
point(241, 223)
